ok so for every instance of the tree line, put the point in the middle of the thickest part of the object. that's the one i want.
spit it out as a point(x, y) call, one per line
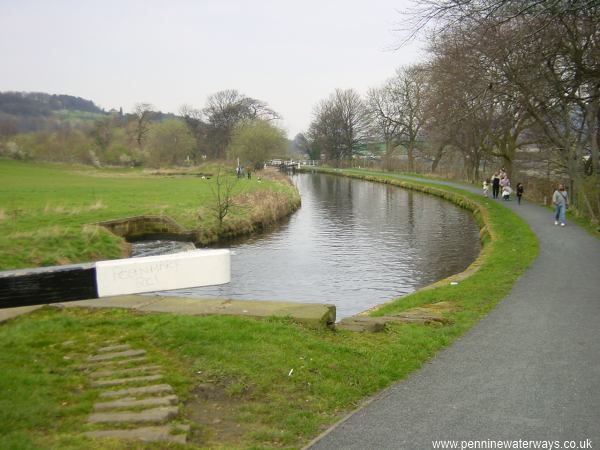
point(42, 104)
point(501, 76)
point(231, 125)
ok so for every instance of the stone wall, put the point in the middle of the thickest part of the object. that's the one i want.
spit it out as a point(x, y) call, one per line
point(148, 227)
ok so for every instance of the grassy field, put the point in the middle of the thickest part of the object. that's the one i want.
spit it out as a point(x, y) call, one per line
point(250, 397)
point(47, 211)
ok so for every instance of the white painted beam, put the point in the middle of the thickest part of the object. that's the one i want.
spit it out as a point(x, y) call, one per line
point(163, 272)
point(45, 285)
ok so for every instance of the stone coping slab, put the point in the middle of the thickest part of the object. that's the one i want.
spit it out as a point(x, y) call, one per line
point(10, 313)
point(155, 415)
point(121, 372)
point(114, 348)
point(122, 381)
point(313, 315)
point(93, 365)
point(138, 391)
point(132, 402)
point(116, 355)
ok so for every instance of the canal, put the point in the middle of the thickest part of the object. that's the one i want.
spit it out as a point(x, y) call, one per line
point(354, 244)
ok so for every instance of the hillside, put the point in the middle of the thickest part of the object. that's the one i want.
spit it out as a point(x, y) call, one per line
point(36, 111)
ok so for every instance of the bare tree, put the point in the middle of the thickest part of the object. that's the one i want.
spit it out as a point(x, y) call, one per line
point(410, 86)
point(384, 114)
point(102, 133)
point(397, 110)
point(340, 124)
point(8, 127)
point(546, 53)
point(303, 147)
point(195, 121)
point(438, 16)
point(227, 108)
point(142, 114)
point(223, 191)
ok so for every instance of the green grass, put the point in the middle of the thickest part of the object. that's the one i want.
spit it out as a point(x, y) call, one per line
point(248, 362)
point(44, 209)
point(45, 400)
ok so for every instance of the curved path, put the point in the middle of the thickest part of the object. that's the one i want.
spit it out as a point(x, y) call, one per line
point(529, 370)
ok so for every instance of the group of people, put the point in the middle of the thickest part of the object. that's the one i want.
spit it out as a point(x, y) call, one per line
point(239, 171)
point(501, 186)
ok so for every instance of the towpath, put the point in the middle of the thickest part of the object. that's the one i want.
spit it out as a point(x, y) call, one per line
point(530, 370)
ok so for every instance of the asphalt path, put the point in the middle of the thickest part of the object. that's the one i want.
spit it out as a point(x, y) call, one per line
point(528, 371)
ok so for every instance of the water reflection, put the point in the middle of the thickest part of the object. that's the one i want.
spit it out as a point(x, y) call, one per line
point(354, 244)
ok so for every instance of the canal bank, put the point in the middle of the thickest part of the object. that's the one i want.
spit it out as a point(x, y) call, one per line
point(476, 205)
point(276, 383)
point(354, 244)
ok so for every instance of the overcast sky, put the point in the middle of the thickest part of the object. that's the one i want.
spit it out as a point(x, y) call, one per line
point(290, 54)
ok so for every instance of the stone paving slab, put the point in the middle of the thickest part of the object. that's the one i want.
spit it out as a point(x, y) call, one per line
point(121, 381)
point(114, 348)
point(117, 355)
point(362, 324)
point(111, 363)
point(132, 402)
point(154, 415)
point(146, 434)
point(145, 390)
point(120, 372)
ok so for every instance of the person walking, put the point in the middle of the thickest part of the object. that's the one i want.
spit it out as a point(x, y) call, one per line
point(561, 203)
point(495, 185)
point(486, 187)
point(520, 191)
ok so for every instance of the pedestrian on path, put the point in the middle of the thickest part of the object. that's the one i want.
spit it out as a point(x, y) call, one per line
point(561, 203)
point(486, 187)
point(495, 184)
point(520, 191)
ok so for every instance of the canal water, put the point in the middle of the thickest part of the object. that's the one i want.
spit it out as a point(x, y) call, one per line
point(354, 244)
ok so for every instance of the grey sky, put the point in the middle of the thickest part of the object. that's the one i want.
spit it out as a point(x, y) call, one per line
point(290, 54)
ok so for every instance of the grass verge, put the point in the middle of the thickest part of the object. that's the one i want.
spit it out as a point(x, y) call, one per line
point(47, 211)
point(240, 370)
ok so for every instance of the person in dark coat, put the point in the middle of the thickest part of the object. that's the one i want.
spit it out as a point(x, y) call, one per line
point(520, 191)
point(495, 185)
